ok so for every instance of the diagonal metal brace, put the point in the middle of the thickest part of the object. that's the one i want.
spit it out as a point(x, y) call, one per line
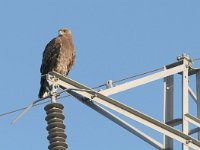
point(128, 112)
point(116, 120)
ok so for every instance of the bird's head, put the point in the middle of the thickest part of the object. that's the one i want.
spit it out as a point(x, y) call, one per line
point(64, 32)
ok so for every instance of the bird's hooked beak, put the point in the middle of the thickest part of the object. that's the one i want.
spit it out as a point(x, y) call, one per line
point(60, 32)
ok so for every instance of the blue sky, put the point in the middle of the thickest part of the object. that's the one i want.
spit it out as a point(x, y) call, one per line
point(113, 39)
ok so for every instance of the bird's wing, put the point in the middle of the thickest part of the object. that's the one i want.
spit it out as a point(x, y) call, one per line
point(71, 55)
point(50, 55)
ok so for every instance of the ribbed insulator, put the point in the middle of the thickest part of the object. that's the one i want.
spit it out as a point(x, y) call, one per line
point(56, 127)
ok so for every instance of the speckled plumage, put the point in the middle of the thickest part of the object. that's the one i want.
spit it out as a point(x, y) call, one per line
point(58, 56)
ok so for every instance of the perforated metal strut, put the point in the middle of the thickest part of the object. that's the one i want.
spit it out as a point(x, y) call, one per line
point(56, 127)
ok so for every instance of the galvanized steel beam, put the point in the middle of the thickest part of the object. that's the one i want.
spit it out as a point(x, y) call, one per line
point(198, 97)
point(117, 120)
point(127, 111)
point(168, 107)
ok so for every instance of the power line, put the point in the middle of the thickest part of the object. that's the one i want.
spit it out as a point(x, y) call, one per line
point(41, 99)
point(62, 97)
point(97, 87)
point(23, 108)
point(134, 76)
point(196, 59)
point(130, 77)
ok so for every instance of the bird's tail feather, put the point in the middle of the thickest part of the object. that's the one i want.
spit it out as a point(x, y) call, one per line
point(43, 91)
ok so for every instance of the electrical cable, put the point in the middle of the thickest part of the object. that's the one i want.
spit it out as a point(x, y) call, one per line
point(196, 59)
point(59, 98)
point(141, 74)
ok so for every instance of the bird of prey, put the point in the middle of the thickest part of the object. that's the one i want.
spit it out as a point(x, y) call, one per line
point(58, 56)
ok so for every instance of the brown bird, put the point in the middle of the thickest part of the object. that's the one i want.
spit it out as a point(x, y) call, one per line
point(58, 56)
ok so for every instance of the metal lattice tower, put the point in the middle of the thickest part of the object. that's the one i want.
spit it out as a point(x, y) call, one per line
point(91, 98)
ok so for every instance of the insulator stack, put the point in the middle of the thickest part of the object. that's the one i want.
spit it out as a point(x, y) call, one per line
point(56, 127)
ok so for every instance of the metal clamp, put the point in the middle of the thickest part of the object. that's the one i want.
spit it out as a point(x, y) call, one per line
point(52, 87)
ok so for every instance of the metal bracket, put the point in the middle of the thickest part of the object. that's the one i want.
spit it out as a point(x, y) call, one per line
point(52, 87)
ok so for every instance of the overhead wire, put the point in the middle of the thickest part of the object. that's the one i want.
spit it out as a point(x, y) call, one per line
point(41, 103)
point(97, 87)
point(130, 77)
point(32, 104)
point(62, 97)
point(138, 75)
point(196, 59)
